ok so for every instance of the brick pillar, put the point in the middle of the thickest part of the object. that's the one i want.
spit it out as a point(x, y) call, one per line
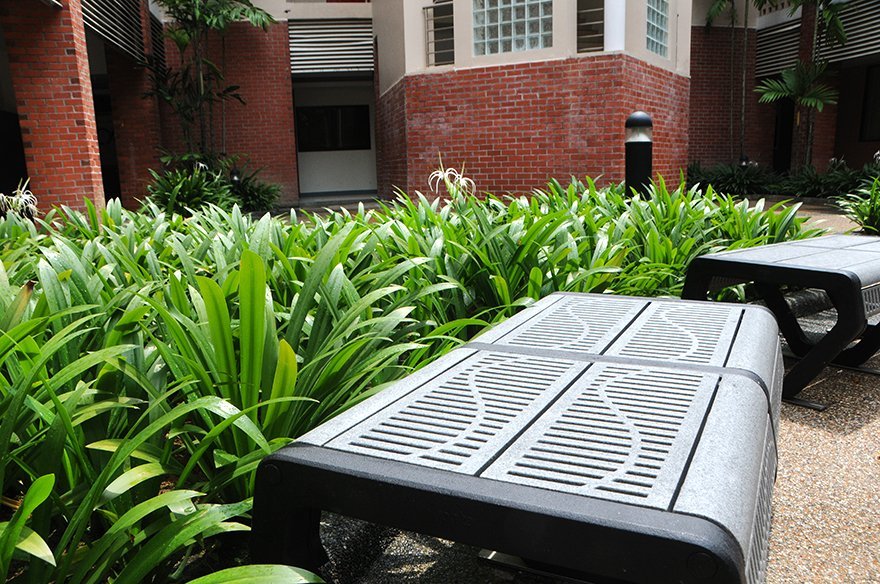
point(135, 119)
point(50, 73)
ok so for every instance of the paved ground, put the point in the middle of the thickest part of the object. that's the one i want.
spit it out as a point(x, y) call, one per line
point(826, 502)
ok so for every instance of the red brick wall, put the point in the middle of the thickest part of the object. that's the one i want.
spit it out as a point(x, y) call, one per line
point(50, 74)
point(513, 127)
point(716, 100)
point(391, 150)
point(263, 129)
point(825, 137)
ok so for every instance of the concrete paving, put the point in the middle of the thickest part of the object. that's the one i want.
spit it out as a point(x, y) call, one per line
point(826, 501)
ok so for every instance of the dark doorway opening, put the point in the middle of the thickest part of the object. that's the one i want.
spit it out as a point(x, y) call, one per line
point(782, 141)
point(13, 169)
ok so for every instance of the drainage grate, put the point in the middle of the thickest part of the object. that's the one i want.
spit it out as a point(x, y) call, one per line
point(462, 418)
point(620, 432)
point(689, 333)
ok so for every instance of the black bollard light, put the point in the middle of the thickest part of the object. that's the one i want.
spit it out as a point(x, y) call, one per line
point(639, 156)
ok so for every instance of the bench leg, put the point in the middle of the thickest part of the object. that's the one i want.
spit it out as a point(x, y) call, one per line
point(863, 350)
point(850, 324)
point(788, 324)
point(281, 532)
point(696, 283)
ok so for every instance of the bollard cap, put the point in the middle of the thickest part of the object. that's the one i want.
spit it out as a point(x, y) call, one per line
point(639, 119)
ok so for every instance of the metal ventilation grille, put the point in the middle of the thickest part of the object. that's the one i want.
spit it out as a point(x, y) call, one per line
point(861, 20)
point(157, 36)
point(620, 433)
point(576, 323)
point(118, 22)
point(776, 48)
point(756, 563)
point(328, 46)
point(461, 419)
point(692, 333)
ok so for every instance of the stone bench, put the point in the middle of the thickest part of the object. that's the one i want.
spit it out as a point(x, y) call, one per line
point(845, 267)
point(605, 436)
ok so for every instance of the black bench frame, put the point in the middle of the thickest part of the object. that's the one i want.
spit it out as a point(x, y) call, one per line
point(843, 288)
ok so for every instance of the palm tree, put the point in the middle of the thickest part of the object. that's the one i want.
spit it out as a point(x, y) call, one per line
point(803, 82)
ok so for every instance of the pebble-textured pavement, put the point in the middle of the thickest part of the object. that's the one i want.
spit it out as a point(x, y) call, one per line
point(826, 502)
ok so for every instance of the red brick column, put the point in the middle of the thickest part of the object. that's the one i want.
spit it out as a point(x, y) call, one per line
point(50, 75)
point(135, 119)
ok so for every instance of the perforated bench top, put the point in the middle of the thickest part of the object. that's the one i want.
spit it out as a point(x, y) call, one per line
point(655, 404)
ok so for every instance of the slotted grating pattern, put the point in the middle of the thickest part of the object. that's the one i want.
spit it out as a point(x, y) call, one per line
point(620, 432)
point(576, 323)
point(698, 334)
point(871, 297)
point(756, 566)
point(461, 419)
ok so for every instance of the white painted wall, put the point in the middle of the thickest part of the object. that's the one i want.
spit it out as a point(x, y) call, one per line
point(349, 170)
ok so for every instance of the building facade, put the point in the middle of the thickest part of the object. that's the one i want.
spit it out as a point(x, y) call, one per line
point(351, 99)
point(726, 68)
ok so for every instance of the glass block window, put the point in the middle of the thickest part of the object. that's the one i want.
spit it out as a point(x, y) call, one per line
point(504, 26)
point(658, 27)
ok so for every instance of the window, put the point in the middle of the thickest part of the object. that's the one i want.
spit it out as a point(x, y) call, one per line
point(503, 26)
point(334, 127)
point(870, 111)
point(658, 27)
point(590, 25)
point(440, 33)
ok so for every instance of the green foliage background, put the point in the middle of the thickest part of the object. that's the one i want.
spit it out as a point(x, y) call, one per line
point(148, 361)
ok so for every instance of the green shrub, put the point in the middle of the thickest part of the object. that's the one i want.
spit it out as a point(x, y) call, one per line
point(255, 195)
point(149, 361)
point(863, 207)
point(182, 190)
point(733, 179)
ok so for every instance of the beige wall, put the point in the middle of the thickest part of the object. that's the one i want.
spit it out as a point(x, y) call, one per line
point(390, 30)
point(678, 58)
point(400, 28)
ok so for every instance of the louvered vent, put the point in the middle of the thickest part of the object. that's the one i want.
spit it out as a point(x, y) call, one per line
point(621, 433)
point(157, 34)
point(861, 21)
point(777, 46)
point(118, 22)
point(461, 419)
point(331, 46)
